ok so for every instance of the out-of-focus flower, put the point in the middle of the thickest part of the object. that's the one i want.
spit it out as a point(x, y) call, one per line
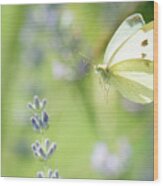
point(38, 33)
point(108, 163)
point(62, 71)
point(48, 33)
point(82, 69)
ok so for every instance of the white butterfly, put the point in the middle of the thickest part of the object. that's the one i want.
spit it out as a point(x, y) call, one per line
point(128, 60)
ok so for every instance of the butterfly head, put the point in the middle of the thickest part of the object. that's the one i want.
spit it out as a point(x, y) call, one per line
point(103, 70)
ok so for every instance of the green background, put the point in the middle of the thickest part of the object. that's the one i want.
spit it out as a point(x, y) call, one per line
point(81, 113)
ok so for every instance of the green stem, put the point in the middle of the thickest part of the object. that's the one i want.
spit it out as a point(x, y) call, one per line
point(87, 103)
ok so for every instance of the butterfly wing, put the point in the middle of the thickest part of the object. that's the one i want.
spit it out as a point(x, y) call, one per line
point(128, 27)
point(133, 79)
point(139, 45)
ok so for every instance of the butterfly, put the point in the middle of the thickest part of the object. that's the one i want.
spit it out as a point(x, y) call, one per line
point(128, 60)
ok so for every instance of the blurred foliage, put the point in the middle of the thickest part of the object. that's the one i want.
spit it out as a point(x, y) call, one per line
point(49, 50)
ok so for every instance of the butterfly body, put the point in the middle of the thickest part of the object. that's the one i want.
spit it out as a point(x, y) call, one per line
point(104, 72)
point(128, 60)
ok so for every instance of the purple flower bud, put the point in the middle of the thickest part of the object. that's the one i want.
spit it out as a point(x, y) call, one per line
point(35, 124)
point(30, 106)
point(37, 102)
point(50, 173)
point(47, 144)
point(40, 174)
point(56, 174)
point(44, 102)
point(42, 153)
point(52, 149)
point(45, 117)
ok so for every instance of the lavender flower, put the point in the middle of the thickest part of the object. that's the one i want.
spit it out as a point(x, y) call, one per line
point(50, 174)
point(40, 119)
point(42, 151)
point(37, 105)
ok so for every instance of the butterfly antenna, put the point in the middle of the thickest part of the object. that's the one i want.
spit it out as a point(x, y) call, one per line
point(81, 54)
